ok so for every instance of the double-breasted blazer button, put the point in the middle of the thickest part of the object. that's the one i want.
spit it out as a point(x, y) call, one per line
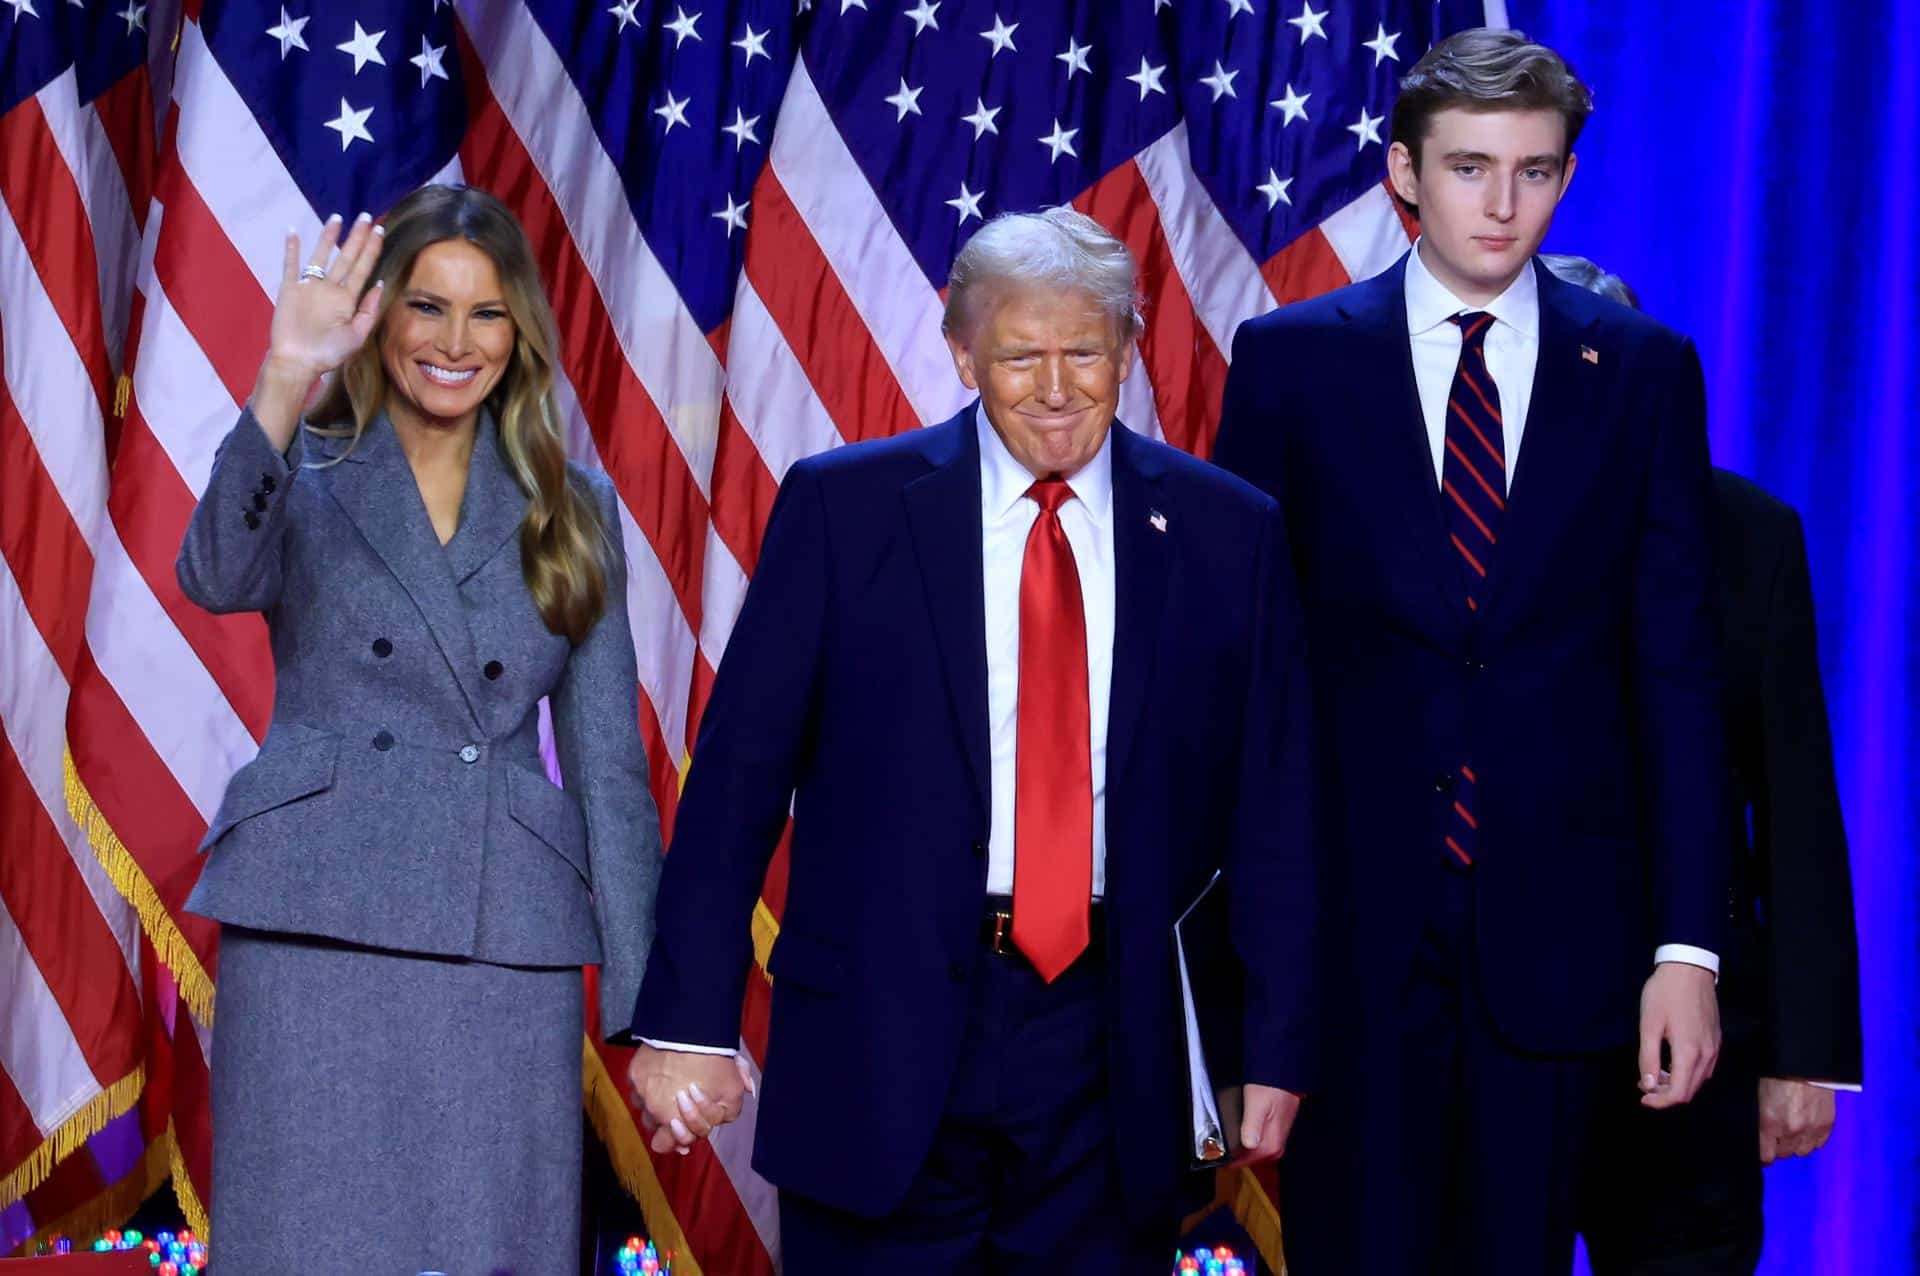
point(382, 648)
point(383, 741)
point(493, 670)
point(470, 753)
point(252, 519)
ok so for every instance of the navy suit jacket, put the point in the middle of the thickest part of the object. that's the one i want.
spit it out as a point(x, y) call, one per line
point(855, 688)
point(1585, 691)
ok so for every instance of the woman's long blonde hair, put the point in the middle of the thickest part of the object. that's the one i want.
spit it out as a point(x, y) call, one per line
point(564, 549)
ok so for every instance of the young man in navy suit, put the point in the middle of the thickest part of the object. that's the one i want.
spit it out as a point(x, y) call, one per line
point(1026, 681)
point(1496, 491)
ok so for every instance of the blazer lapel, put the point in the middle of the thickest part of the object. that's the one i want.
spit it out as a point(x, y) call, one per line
point(1550, 463)
point(943, 510)
point(1140, 564)
point(375, 486)
point(1392, 433)
point(492, 509)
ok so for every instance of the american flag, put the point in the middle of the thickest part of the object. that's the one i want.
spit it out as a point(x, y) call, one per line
point(745, 214)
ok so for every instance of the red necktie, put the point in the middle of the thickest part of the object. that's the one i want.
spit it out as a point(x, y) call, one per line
point(1053, 766)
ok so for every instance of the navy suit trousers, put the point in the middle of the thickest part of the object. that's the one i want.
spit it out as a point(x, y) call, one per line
point(1023, 1175)
point(1443, 1148)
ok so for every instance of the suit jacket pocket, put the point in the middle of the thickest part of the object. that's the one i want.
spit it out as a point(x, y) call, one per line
point(550, 814)
point(274, 779)
point(807, 962)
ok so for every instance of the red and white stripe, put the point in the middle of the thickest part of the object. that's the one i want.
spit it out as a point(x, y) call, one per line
point(69, 956)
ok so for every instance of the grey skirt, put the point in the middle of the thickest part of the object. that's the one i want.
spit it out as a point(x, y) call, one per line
point(386, 1112)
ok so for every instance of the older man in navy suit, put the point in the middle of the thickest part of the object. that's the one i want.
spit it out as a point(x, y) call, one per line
point(1027, 681)
point(1496, 490)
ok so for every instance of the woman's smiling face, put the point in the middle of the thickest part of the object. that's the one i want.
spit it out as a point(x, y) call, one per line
point(447, 338)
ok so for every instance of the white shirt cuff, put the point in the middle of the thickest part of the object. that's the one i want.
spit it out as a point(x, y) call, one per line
point(1687, 953)
point(1846, 1087)
point(683, 1048)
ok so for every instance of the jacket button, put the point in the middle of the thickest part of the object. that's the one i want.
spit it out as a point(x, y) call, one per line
point(470, 753)
point(253, 520)
point(259, 500)
point(493, 670)
point(382, 648)
point(959, 972)
point(1442, 783)
point(383, 741)
point(979, 848)
point(268, 483)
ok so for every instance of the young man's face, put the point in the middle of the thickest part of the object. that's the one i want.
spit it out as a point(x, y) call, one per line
point(1486, 188)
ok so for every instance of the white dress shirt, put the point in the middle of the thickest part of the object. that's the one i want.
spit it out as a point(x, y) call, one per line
point(1513, 352)
point(1512, 346)
point(1007, 514)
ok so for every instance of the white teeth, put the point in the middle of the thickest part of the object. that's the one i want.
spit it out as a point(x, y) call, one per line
point(445, 376)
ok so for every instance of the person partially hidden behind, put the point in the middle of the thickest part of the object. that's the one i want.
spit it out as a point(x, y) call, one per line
point(1027, 680)
point(1790, 975)
point(1496, 489)
point(406, 899)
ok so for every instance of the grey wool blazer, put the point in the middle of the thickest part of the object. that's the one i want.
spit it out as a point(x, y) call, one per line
point(399, 800)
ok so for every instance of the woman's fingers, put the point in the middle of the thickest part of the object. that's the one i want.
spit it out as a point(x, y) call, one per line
point(323, 247)
point(367, 256)
point(351, 250)
point(290, 260)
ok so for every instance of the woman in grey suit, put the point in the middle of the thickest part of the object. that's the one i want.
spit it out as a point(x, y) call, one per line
point(407, 900)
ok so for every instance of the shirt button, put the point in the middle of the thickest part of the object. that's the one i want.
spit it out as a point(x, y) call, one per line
point(493, 670)
point(383, 741)
point(471, 753)
point(382, 648)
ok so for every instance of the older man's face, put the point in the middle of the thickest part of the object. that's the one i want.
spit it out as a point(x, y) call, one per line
point(1048, 366)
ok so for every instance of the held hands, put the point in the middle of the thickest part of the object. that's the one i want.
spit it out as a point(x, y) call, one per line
point(1677, 1007)
point(1796, 1118)
point(683, 1095)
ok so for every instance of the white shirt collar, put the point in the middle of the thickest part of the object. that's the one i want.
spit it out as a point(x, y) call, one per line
point(1430, 303)
point(1003, 480)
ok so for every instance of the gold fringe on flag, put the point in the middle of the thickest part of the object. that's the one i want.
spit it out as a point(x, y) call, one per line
point(190, 1207)
point(112, 1207)
point(766, 929)
point(71, 1135)
point(1257, 1213)
point(627, 1149)
point(169, 945)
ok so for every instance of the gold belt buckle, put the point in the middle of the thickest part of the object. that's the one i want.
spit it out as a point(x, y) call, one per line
point(1002, 941)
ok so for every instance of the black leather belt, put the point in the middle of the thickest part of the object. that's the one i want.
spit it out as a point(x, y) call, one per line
point(996, 927)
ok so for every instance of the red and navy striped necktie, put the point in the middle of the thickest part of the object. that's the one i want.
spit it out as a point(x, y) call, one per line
point(1473, 483)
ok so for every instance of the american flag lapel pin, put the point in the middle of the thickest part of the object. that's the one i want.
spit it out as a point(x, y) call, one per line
point(1158, 520)
point(1590, 355)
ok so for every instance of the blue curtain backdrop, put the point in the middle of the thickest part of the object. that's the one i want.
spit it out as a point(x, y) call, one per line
point(1750, 169)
